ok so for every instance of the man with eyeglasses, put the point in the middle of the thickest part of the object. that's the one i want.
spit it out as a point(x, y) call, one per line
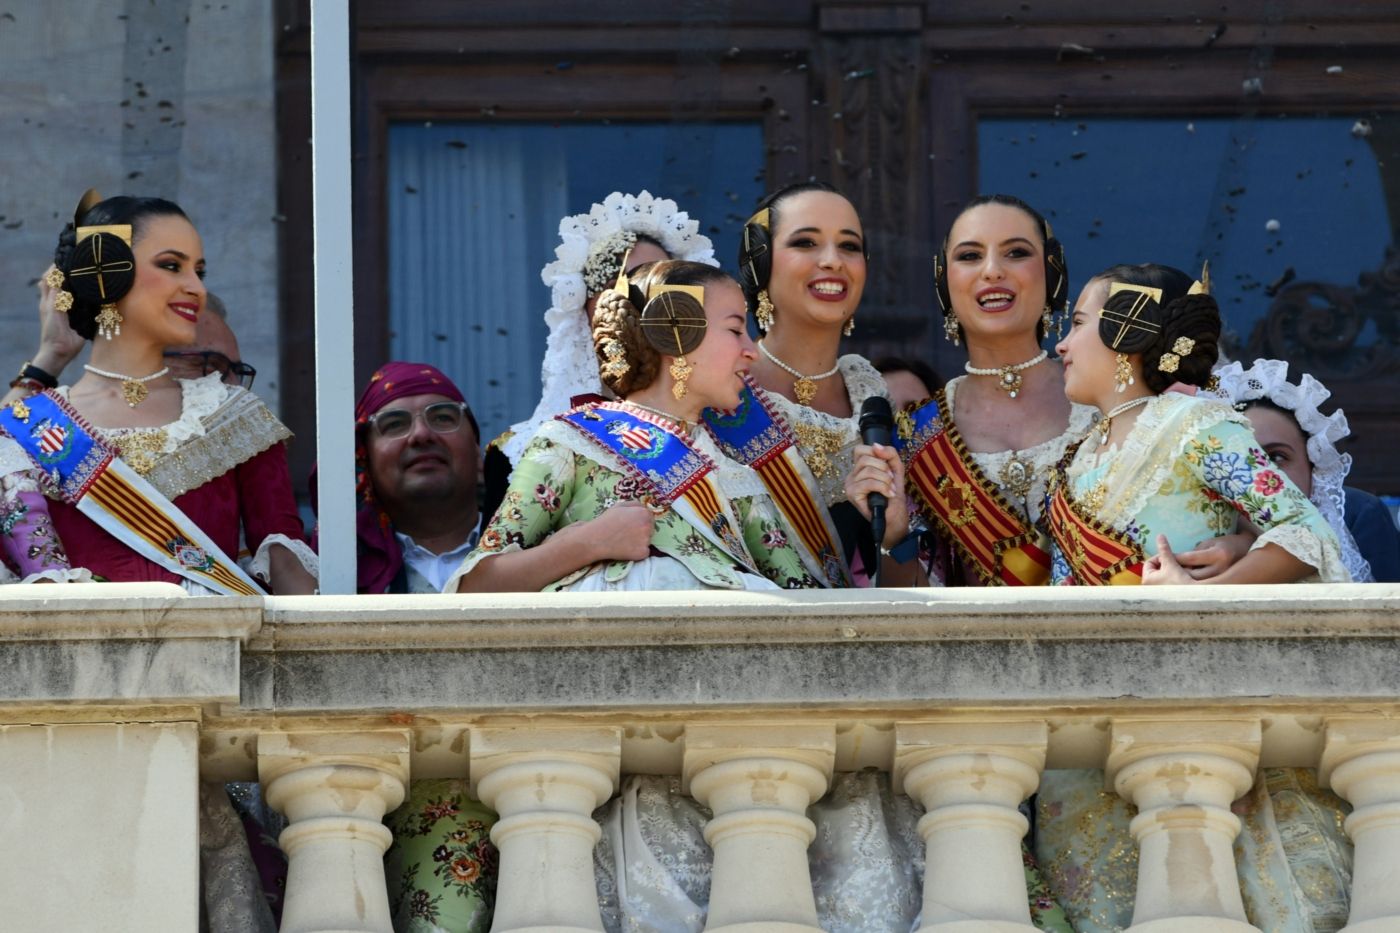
point(215, 349)
point(417, 515)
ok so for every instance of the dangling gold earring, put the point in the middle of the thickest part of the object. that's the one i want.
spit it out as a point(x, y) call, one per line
point(1122, 374)
point(850, 326)
point(951, 329)
point(109, 321)
point(680, 371)
point(1046, 320)
point(763, 314)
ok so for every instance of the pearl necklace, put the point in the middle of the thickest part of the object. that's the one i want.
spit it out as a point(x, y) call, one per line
point(805, 388)
point(1107, 423)
point(134, 389)
point(1010, 381)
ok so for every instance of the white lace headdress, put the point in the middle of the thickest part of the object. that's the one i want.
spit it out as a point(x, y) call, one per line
point(1268, 379)
point(570, 366)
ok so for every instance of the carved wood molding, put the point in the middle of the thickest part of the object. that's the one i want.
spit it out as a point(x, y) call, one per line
point(1336, 332)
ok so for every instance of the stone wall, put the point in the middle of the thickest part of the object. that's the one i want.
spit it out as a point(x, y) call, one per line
point(172, 98)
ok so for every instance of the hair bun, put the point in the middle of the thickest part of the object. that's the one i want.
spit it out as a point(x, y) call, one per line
point(673, 322)
point(101, 269)
point(1191, 321)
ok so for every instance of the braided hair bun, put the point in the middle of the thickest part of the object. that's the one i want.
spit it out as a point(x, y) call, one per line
point(626, 361)
point(1184, 343)
point(1189, 321)
point(628, 358)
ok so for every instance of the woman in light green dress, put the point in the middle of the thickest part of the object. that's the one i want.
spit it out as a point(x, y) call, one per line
point(1165, 472)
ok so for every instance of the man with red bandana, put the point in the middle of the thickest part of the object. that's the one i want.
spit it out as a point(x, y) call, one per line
point(416, 464)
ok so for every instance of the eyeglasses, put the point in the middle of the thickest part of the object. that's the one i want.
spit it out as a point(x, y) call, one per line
point(209, 361)
point(440, 417)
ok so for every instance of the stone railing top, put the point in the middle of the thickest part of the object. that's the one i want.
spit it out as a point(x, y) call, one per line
point(87, 611)
point(537, 620)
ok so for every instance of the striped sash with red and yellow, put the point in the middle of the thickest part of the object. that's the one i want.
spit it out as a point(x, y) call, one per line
point(663, 462)
point(85, 472)
point(1097, 555)
point(965, 507)
point(755, 435)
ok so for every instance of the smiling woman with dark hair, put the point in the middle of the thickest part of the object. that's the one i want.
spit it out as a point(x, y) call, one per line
point(156, 475)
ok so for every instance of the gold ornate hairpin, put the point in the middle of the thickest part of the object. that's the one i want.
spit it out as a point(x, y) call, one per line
point(1132, 318)
point(1202, 285)
point(122, 231)
point(1172, 358)
point(668, 301)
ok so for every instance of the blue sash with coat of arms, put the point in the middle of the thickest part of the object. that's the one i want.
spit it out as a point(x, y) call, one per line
point(674, 473)
point(754, 434)
point(82, 470)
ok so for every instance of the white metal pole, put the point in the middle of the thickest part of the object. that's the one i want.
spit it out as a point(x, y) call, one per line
point(334, 287)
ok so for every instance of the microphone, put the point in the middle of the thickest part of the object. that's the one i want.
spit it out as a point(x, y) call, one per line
point(877, 427)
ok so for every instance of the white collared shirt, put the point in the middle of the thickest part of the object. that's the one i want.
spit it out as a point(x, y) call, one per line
point(436, 568)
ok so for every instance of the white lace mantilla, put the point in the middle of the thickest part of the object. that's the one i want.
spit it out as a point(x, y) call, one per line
point(1042, 457)
point(826, 441)
point(570, 366)
point(1268, 380)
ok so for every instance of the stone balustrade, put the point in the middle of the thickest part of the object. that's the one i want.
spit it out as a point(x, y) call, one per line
point(118, 699)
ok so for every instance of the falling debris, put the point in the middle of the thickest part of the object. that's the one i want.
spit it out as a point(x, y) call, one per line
point(1361, 129)
point(1252, 85)
point(1334, 69)
point(1073, 51)
point(1190, 127)
point(1273, 226)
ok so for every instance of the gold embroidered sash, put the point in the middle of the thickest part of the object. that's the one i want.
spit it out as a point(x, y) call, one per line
point(1097, 555)
point(967, 508)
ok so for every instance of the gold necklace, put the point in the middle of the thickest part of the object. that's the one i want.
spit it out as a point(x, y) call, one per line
point(805, 388)
point(134, 389)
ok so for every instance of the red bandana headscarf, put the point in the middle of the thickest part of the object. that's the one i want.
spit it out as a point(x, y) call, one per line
point(380, 557)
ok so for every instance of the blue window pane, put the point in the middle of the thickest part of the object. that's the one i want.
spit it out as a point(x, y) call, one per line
point(1256, 196)
point(474, 212)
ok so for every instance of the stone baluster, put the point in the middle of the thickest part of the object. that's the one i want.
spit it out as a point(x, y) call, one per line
point(545, 784)
point(759, 780)
point(334, 788)
point(1183, 776)
point(970, 778)
point(1361, 763)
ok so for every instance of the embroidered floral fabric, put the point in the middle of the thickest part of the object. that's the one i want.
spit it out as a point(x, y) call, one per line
point(558, 482)
point(1189, 470)
point(1293, 857)
point(442, 868)
point(867, 860)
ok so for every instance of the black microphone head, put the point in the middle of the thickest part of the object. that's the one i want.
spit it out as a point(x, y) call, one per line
point(876, 421)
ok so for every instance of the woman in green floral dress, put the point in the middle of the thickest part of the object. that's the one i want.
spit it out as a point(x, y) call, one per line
point(635, 494)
